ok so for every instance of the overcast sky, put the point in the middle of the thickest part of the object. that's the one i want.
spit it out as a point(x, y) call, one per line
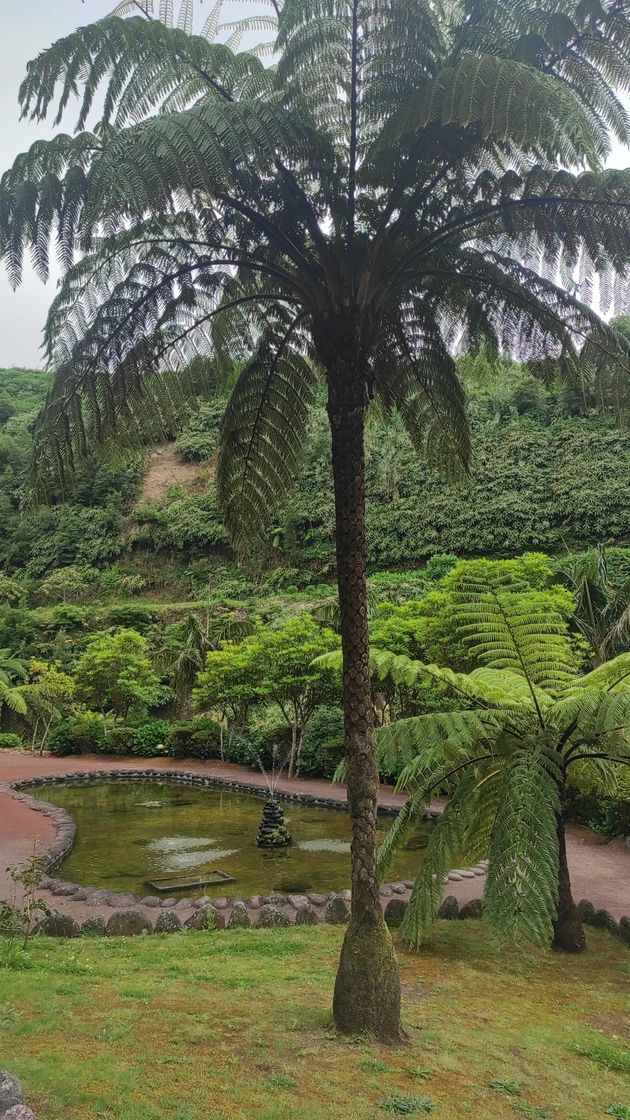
point(27, 28)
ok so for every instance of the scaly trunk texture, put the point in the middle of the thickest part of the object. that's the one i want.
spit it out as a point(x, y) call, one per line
point(367, 988)
point(568, 929)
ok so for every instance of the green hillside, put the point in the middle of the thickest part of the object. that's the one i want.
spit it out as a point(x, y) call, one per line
point(542, 478)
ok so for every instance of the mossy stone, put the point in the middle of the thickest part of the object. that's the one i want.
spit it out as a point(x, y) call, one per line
point(271, 917)
point(239, 918)
point(449, 909)
point(395, 911)
point(587, 911)
point(472, 910)
point(59, 925)
point(604, 920)
point(206, 917)
point(128, 923)
point(306, 916)
point(168, 922)
point(337, 912)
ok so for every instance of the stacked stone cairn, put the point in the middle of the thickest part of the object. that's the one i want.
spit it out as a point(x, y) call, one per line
point(273, 832)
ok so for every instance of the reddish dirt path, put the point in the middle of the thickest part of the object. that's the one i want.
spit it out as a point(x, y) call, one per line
point(600, 869)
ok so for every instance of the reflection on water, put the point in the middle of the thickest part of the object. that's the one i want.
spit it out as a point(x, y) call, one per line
point(128, 833)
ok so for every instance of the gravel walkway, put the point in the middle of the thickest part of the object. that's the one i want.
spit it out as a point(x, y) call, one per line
point(600, 869)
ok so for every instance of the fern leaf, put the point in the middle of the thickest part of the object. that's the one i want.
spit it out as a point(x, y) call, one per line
point(522, 885)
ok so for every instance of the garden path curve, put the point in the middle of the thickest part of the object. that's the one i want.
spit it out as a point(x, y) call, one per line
point(600, 869)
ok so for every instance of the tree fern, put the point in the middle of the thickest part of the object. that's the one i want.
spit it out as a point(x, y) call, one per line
point(394, 181)
point(506, 763)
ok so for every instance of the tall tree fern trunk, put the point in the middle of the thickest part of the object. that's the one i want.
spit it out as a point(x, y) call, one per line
point(568, 929)
point(367, 988)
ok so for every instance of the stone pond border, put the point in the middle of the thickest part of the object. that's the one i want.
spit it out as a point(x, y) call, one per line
point(130, 913)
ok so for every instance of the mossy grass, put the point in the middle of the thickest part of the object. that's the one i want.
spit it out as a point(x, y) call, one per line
point(238, 1027)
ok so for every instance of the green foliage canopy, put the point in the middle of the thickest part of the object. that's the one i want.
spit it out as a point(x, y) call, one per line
point(373, 225)
point(115, 674)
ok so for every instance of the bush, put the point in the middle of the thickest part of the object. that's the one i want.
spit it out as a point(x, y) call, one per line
point(322, 746)
point(121, 584)
point(120, 739)
point(609, 816)
point(129, 616)
point(9, 741)
point(256, 748)
point(198, 738)
point(82, 734)
point(151, 738)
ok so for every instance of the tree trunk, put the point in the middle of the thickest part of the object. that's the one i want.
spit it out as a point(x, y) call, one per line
point(367, 988)
point(293, 750)
point(568, 930)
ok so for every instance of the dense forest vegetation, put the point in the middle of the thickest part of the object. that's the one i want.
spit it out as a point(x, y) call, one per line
point(546, 476)
point(134, 579)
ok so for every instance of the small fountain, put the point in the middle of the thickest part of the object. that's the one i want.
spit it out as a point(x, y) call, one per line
point(273, 832)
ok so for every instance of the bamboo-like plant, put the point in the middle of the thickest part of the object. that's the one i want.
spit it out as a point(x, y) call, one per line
point(395, 178)
point(507, 762)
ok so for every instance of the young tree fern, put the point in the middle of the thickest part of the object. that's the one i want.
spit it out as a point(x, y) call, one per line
point(399, 177)
point(507, 763)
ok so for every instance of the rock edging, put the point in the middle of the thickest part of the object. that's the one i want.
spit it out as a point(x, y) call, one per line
point(133, 915)
point(12, 1103)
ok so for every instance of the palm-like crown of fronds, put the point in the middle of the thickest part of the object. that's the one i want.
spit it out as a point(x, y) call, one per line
point(506, 760)
point(398, 178)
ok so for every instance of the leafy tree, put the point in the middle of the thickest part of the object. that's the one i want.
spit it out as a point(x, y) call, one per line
point(602, 611)
point(7, 408)
point(114, 674)
point(507, 763)
point(272, 666)
point(227, 687)
point(10, 590)
point(391, 183)
point(49, 695)
point(428, 630)
point(286, 675)
point(66, 585)
point(596, 380)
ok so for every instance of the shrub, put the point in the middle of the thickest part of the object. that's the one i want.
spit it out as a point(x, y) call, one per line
point(120, 739)
point(609, 816)
point(82, 734)
point(198, 738)
point(322, 746)
point(152, 738)
point(261, 747)
point(9, 741)
point(129, 616)
point(114, 582)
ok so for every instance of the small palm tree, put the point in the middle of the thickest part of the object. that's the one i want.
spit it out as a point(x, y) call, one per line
point(392, 183)
point(507, 763)
point(602, 610)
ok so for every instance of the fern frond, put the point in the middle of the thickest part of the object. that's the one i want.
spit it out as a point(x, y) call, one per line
point(264, 433)
point(446, 842)
point(522, 885)
point(509, 630)
point(508, 101)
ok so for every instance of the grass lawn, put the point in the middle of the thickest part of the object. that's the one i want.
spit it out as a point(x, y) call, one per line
point(236, 1026)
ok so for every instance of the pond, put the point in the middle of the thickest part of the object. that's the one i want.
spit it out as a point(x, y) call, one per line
point(129, 833)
